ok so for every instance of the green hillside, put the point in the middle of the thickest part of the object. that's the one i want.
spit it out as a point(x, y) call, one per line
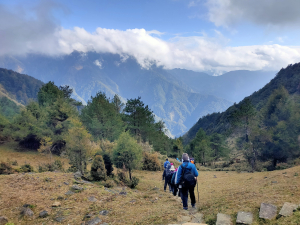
point(19, 87)
point(264, 126)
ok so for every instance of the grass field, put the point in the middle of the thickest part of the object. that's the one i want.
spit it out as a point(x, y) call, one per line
point(228, 193)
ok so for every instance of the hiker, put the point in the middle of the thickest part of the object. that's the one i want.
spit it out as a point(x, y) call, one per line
point(172, 169)
point(167, 175)
point(166, 163)
point(186, 179)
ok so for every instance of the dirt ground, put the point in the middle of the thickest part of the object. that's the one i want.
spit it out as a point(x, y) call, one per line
point(224, 192)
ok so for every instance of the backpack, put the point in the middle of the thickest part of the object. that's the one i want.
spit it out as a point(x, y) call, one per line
point(188, 179)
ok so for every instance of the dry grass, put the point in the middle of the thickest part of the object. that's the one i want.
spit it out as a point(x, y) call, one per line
point(11, 151)
point(229, 193)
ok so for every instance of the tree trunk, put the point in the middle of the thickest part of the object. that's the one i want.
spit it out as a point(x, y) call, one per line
point(130, 174)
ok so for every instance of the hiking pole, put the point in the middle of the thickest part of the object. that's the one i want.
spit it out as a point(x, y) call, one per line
point(197, 190)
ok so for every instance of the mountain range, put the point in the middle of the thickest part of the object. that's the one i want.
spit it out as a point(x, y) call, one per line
point(179, 97)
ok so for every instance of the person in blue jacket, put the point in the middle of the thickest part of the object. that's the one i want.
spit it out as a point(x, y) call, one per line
point(166, 163)
point(189, 167)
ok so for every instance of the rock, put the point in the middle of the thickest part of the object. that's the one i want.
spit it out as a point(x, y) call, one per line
point(59, 219)
point(104, 224)
point(77, 188)
point(3, 220)
point(26, 205)
point(193, 224)
point(88, 216)
point(26, 211)
point(267, 211)
point(215, 176)
point(244, 217)
point(288, 209)
point(77, 175)
point(103, 212)
point(56, 204)
point(156, 189)
point(123, 193)
point(94, 221)
point(43, 214)
point(184, 219)
point(223, 219)
point(198, 218)
point(66, 183)
point(274, 182)
point(60, 198)
point(92, 199)
point(69, 193)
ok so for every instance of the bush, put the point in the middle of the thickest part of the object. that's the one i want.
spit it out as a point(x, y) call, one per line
point(5, 168)
point(151, 162)
point(109, 184)
point(98, 171)
point(27, 168)
point(57, 165)
point(134, 182)
point(108, 164)
point(130, 183)
point(14, 163)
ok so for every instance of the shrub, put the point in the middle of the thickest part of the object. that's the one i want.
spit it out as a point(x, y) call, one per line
point(108, 164)
point(134, 182)
point(98, 171)
point(14, 163)
point(57, 165)
point(5, 168)
point(151, 162)
point(27, 168)
point(130, 183)
point(109, 184)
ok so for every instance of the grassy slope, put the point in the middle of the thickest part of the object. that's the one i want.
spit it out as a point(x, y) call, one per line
point(228, 193)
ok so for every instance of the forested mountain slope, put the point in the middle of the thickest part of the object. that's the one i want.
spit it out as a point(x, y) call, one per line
point(289, 78)
point(19, 87)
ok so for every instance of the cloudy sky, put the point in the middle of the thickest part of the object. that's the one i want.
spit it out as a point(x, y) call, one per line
point(202, 35)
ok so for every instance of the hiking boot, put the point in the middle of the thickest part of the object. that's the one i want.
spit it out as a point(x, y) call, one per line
point(193, 206)
point(185, 208)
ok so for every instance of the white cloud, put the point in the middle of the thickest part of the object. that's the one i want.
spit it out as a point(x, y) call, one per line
point(201, 52)
point(98, 63)
point(271, 13)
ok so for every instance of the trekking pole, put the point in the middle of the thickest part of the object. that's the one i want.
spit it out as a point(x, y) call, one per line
point(197, 191)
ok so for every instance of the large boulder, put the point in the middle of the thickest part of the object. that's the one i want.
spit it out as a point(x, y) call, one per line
point(223, 219)
point(288, 209)
point(76, 188)
point(267, 211)
point(77, 175)
point(244, 218)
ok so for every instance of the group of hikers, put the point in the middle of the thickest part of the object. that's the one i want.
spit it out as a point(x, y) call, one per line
point(182, 180)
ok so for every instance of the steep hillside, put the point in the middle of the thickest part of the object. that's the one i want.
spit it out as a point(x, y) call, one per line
point(19, 87)
point(289, 78)
point(89, 73)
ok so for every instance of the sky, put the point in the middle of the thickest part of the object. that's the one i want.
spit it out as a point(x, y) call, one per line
point(201, 35)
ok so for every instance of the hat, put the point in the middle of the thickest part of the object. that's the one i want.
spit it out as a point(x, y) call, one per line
point(172, 164)
point(185, 157)
point(172, 168)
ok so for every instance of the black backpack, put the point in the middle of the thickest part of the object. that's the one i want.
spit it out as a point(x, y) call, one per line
point(188, 179)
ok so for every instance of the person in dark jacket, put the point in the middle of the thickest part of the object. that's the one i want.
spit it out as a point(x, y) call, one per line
point(189, 167)
point(167, 177)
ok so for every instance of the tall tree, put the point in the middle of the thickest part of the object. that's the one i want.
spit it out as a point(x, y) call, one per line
point(127, 153)
point(102, 118)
